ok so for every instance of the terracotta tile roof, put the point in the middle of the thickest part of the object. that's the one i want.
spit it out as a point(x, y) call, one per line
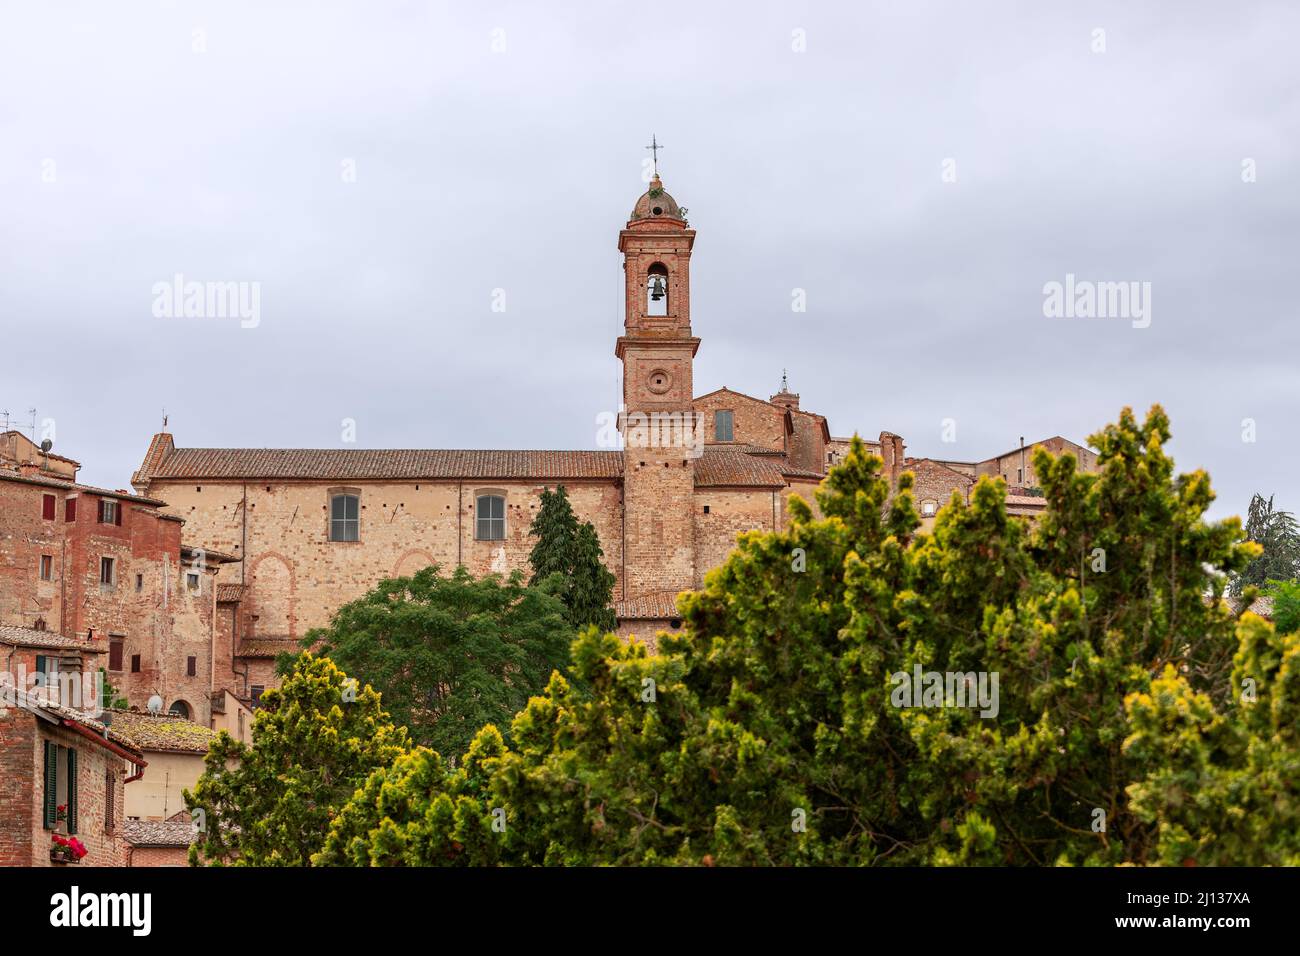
point(724, 468)
point(230, 592)
point(402, 464)
point(162, 732)
point(158, 832)
point(267, 647)
point(30, 637)
point(78, 488)
point(658, 605)
point(1263, 606)
point(36, 702)
point(790, 472)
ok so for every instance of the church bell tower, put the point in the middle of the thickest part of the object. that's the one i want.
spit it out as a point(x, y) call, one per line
point(661, 441)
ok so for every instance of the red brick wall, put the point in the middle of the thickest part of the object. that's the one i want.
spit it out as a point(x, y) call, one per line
point(753, 422)
point(158, 856)
point(23, 839)
point(731, 513)
point(161, 621)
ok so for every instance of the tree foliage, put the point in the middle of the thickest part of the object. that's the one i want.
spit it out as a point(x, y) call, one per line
point(450, 654)
point(770, 730)
point(572, 550)
point(1277, 533)
point(315, 740)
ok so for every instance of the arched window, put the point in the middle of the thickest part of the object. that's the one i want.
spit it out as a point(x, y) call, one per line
point(180, 709)
point(656, 290)
point(490, 518)
point(345, 520)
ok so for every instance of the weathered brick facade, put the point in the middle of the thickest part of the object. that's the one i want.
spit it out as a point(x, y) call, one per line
point(25, 837)
point(273, 568)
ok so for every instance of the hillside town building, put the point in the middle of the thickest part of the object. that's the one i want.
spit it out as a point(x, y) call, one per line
point(185, 589)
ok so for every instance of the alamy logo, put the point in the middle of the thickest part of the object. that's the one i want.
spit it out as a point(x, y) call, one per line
point(133, 910)
point(948, 689)
point(182, 299)
point(1083, 299)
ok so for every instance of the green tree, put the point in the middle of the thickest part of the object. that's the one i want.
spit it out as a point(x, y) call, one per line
point(1222, 786)
point(450, 654)
point(108, 696)
point(555, 527)
point(315, 740)
point(1278, 535)
point(572, 550)
point(1286, 605)
point(772, 730)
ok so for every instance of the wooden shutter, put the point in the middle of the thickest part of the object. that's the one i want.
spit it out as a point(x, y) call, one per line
point(115, 654)
point(51, 784)
point(47, 507)
point(101, 510)
point(72, 790)
point(117, 513)
point(110, 801)
point(70, 510)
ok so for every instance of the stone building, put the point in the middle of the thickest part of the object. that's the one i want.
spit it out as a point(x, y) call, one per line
point(315, 528)
point(62, 777)
point(220, 559)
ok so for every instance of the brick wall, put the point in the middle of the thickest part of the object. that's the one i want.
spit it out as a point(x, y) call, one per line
point(157, 856)
point(297, 577)
point(731, 512)
point(24, 841)
point(147, 604)
point(754, 422)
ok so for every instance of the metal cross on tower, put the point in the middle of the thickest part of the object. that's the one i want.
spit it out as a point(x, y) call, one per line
point(654, 148)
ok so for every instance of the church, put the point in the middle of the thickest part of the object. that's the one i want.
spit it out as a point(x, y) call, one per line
point(304, 531)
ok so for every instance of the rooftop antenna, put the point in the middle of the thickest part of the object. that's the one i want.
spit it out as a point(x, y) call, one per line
point(164, 428)
point(654, 148)
point(32, 411)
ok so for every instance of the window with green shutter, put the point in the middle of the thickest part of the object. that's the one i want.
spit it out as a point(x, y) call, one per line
point(51, 784)
point(72, 790)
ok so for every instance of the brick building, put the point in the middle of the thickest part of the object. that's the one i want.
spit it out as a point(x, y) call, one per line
point(316, 527)
point(188, 587)
point(62, 774)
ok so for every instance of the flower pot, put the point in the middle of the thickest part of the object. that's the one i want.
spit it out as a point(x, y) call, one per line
point(61, 855)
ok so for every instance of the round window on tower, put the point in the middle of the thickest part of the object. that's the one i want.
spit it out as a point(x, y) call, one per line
point(658, 210)
point(660, 381)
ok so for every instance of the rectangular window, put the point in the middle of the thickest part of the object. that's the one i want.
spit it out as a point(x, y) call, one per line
point(106, 572)
point(192, 582)
point(139, 582)
point(47, 507)
point(135, 663)
point(110, 512)
point(257, 690)
point(722, 426)
point(1020, 476)
point(115, 653)
point(47, 671)
point(191, 666)
point(490, 524)
point(70, 510)
point(345, 523)
point(47, 567)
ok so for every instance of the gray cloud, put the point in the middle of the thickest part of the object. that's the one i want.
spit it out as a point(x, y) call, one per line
point(478, 170)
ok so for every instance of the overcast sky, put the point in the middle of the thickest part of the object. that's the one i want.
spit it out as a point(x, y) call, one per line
point(381, 168)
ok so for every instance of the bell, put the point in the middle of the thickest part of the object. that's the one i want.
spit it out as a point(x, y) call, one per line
point(657, 289)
